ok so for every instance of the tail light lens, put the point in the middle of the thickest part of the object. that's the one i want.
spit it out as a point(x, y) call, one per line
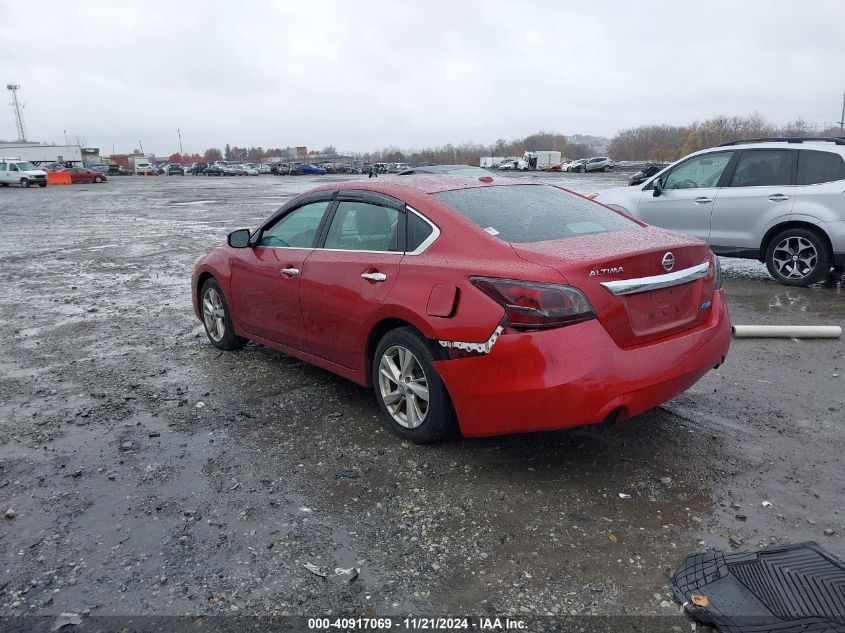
point(532, 305)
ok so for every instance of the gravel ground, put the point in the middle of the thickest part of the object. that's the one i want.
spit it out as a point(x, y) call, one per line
point(149, 473)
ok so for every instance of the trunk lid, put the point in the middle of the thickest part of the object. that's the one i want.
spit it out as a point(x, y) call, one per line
point(632, 319)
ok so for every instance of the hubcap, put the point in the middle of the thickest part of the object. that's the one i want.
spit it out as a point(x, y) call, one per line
point(213, 314)
point(795, 257)
point(403, 386)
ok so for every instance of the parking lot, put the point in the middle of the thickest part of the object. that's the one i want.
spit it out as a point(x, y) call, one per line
point(151, 473)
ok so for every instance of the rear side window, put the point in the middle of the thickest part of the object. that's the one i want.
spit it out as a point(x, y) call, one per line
point(533, 213)
point(815, 167)
point(360, 226)
point(763, 168)
point(418, 231)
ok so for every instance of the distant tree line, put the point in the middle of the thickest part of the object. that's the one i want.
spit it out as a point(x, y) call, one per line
point(466, 153)
point(669, 142)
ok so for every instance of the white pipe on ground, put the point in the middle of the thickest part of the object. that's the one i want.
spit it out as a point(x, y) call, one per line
point(787, 331)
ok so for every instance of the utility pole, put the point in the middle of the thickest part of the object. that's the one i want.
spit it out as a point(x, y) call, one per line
point(65, 131)
point(141, 145)
point(180, 140)
point(842, 118)
point(16, 106)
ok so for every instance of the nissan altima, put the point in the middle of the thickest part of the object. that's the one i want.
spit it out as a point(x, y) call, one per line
point(472, 304)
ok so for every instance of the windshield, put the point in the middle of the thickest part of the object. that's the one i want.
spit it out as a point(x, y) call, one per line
point(534, 213)
point(26, 166)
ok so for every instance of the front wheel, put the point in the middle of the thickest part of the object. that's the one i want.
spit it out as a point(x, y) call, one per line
point(409, 390)
point(798, 257)
point(25, 183)
point(216, 317)
point(97, 179)
point(606, 168)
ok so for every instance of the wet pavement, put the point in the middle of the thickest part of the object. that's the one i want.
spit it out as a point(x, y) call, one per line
point(150, 473)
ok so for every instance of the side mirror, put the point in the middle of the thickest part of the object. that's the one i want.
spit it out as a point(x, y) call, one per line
point(239, 238)
point(658, 187)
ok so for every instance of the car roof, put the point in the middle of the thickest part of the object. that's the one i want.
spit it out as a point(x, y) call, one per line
point(814, 144)
point(414, 184)
point(438, 169)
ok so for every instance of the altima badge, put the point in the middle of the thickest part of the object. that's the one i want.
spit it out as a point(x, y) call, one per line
point(606, 271)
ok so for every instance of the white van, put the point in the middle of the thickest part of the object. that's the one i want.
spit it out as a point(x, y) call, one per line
point(14, 171)
point(145, 168)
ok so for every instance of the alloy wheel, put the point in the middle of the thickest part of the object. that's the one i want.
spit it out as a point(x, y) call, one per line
point(214, 314)
point(795, 257)
point(403, 386)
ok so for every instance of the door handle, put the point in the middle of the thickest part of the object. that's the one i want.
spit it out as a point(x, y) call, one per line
point(778, 197)
point(703, 200)
point(292, 272)
point(373, 276)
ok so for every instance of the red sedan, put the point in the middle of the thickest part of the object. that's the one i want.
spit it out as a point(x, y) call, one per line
point(490, 306)
point(78, 174)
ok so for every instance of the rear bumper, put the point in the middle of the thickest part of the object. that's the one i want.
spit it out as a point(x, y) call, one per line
point(577, 375)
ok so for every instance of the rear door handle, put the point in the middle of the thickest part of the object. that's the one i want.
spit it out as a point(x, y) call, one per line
point(703, 200)
point(291, 272)
point(374, 276)
point(778, 197)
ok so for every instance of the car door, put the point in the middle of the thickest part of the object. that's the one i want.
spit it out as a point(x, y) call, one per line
point(685, 203)
point(759, 193)
point(4, 173)
point(348, 277)
point(265, 278)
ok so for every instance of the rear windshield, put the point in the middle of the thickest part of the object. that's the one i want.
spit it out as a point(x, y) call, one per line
point(533, 213)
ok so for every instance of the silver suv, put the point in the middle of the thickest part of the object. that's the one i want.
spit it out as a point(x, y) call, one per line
point(781, 201)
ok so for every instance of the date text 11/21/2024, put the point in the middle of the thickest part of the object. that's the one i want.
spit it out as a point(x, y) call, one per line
point(417, 624)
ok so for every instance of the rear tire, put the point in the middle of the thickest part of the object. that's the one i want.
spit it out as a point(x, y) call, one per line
point(403, 375)
point(798, 257)
point(217, 319)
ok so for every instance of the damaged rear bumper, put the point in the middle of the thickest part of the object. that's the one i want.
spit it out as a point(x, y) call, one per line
point(565, 377)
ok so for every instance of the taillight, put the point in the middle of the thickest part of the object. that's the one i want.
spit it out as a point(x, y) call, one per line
point(532, 305)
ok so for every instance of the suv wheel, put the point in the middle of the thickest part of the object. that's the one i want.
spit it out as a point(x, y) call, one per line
point(798, 257)
point(409, 390)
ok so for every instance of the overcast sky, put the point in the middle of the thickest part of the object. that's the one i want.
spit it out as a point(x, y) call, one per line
point(368, 74)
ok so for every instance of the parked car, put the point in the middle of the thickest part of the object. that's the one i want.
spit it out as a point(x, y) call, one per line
point(82, 175)
point(145, 169)
point(111, 170)
point(250, 169)
point(217, 169)
point(237, 169)
point(775, 200)
point(497, 307)
point(174, 169)
point(310, 170)
point(397, 168)
point(448, 170)
point(198, 168)
point(645, 173)
point(599, 163)
point(576, 165)
point(21, 172)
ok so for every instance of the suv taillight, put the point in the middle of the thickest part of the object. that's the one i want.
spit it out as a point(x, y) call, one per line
point(533, 305)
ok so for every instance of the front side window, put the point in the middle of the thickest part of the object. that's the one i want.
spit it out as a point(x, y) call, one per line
point(296, 229)
point(13, 167)
point(2, 166)
point(360, 226)
point(815, 167)
point(763, 168)
point(699, 172)
point(533, 213)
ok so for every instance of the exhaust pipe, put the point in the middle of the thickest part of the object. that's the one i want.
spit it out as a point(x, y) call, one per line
point(787, 331)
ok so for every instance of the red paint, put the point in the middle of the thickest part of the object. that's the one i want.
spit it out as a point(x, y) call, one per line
point(442, 301)
point(638, 352)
